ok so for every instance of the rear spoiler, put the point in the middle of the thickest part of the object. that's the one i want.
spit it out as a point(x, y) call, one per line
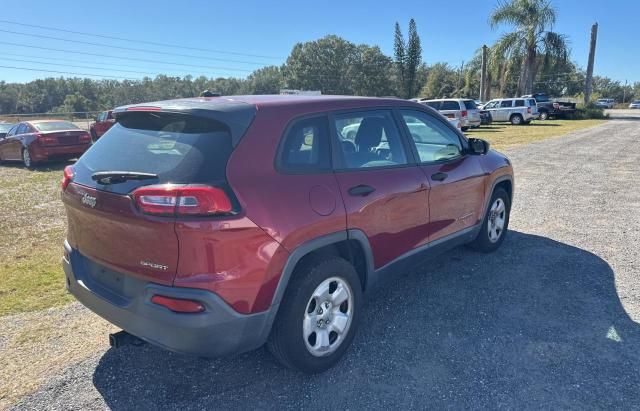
point(236, 115)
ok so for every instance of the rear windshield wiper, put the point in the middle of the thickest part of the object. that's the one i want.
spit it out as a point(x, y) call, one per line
point(115, 177)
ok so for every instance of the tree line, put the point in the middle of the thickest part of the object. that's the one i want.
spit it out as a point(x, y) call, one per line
point(529, 58)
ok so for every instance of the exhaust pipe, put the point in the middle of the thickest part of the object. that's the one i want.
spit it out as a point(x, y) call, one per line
point(122, 338)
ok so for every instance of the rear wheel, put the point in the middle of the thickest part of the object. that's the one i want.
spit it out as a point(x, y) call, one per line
point(495, 223)
point(544, 115)
point(26, 158)
point(318, 316)
point(464, 128)
point(516, 119)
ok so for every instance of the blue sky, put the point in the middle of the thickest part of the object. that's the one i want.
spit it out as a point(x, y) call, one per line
point(450, 31)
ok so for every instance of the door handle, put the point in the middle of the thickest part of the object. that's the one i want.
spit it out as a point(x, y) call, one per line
point(440, 176)
point(361, 190)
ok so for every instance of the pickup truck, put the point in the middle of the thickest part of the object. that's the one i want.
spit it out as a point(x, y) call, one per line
point(548, 107)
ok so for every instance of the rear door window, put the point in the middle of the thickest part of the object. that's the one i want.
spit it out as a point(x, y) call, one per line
point(519, 103)
point(179, 148)
point(434, 104)
point(506, 104)
point(369, 139)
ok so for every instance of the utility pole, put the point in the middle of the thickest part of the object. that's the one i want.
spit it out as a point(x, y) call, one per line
point(592, 55)
point(624, 92)
point(461, 80)
point(483, 75)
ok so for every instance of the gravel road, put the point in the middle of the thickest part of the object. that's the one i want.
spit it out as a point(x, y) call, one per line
point(551, 320)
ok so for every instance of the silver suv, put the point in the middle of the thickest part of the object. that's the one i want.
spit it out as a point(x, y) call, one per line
point(464, 110)
point(514, 110)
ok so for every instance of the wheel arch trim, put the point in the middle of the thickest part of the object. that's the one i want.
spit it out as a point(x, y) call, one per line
point(317, 243)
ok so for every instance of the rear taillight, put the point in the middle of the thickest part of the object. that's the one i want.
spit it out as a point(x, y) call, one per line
point(182, 200)
point(464, 113)
point(84, 138)
point(67, 177)
point(529, 110)
point(46, 140)
point(178, 305)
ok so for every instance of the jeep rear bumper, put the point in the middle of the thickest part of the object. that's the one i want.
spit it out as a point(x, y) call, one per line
point(126, 302)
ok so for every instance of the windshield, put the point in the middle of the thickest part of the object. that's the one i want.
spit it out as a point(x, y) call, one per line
point(178, 148)
point(55, 126)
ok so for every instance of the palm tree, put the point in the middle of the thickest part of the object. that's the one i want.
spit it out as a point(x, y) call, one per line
point(532, 21)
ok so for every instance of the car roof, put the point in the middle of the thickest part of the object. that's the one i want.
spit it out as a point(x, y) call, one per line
point(220, 103)
point(45, 121)
point(238, 111)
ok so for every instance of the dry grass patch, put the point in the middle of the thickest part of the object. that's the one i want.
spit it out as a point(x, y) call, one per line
point(503, 136)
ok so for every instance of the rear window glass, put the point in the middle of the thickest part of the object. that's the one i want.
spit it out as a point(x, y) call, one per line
point(450, 105)
point(178, 148)
point(470, 104)
point(532, 102)
point(306, 147)
point(56, 125)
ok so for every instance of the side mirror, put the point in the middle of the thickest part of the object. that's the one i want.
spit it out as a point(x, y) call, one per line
point(478, 146)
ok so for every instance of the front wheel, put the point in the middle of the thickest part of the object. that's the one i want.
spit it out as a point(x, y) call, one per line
point(318, 316)
point(495, 223)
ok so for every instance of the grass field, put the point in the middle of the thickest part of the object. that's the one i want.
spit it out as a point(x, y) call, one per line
point(502, 135)
point(32, 230)
point(32, 223)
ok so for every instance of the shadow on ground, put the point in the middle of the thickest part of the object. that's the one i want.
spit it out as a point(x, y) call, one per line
point(536, 324)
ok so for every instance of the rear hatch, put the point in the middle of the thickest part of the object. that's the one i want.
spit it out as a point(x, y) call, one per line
point(110, 222)
point(472, 110)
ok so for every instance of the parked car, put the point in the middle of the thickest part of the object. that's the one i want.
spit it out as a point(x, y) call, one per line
point(210, 227)
point(4, 128)
point(33, 142)
point(104, 121)
point(605, 103)
point(548, 107)
point(516, 111)
point(635, 104)
point(463, 109)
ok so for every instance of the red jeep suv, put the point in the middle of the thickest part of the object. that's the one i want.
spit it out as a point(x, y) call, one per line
point(211, 226)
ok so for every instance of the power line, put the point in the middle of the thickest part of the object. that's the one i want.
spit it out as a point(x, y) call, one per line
point(69, 72)
point(85, 67)
point(166, 53)
point(153, 43)
point(117, 57)
point(47, 61)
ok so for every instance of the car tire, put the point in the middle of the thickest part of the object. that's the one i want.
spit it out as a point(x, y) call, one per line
point(305, 335)
point(516, 119)
point(464, 128)
point(26, 159)
point(544, 115)
point(495, 223)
